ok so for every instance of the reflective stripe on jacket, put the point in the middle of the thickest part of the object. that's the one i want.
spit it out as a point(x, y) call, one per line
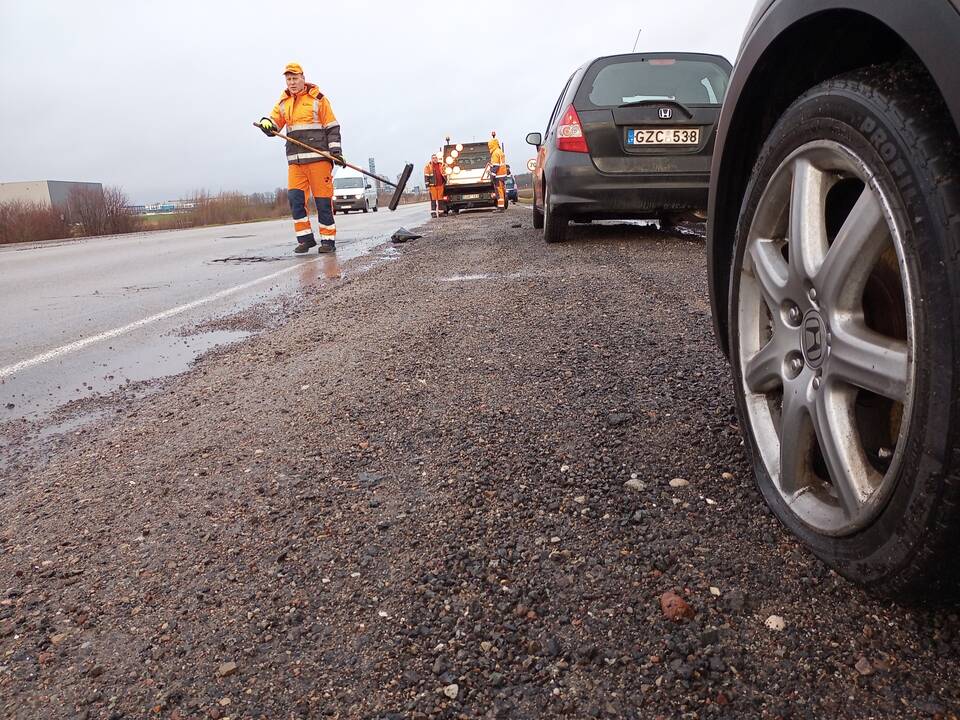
point(308, 118)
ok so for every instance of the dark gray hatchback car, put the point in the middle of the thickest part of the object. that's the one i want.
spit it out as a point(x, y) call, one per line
point(631, 136)
point(833, 241)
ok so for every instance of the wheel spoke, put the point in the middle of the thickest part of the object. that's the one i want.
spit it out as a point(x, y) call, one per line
point(864, 358)
point(796, 437)
point(833, 422)
point(853, 254)
point(762, 371)
point(770, 271)
point(808, 232)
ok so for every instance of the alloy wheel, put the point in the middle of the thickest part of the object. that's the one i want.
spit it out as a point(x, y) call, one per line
point(826, 338)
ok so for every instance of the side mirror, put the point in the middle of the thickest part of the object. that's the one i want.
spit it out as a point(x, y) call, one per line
point(535, 139)
point(368, 186)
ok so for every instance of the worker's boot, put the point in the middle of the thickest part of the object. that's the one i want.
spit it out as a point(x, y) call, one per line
point(327, 246)
point(304, 246)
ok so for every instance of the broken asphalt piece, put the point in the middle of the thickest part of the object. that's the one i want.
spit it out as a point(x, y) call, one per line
point(403, 235)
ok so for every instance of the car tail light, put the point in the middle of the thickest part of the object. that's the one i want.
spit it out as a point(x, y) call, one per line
point(570, 133)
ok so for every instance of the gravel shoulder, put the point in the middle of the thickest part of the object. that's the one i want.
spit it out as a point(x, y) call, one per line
point(458, 484)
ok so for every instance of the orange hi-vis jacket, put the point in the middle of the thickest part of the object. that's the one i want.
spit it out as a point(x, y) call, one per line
point(498, 161)
point(433, 173)
point(308, 118)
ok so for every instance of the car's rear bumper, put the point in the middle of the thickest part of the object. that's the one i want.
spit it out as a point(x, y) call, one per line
point(577, 188)
point(464, 197)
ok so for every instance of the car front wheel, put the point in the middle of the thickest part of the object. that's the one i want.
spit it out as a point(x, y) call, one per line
point(845, 328)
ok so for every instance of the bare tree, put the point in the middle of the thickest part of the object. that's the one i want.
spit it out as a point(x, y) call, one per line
point(86, 206)
point(119, 219)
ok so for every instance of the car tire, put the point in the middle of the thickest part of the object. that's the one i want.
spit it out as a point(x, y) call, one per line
point(366, 206)
point(554, 222)
point(376, 207)
point(537, 213)
point(865, 308)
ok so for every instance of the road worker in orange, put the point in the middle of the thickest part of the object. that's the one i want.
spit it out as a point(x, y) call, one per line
point(308, 117)
point(434, 179)
point(498, 170)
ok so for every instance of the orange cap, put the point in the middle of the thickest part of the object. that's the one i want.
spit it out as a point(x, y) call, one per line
point(293, 68)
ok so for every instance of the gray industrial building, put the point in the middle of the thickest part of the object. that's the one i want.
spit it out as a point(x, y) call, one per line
point(45, 192)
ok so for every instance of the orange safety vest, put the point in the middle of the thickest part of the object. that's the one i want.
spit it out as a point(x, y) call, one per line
point(308, 118)
point(499, 161)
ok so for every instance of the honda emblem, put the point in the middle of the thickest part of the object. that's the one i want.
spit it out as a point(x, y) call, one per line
point(666, 113)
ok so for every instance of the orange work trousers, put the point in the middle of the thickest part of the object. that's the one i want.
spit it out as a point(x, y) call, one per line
point(437, 203)
point(500, 181)
point(315, 179)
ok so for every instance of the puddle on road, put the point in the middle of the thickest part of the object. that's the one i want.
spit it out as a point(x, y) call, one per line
point(35, 393)
point(44, 404)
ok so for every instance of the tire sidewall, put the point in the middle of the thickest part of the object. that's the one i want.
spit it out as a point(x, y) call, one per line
point(879, 552)
point(554, 225)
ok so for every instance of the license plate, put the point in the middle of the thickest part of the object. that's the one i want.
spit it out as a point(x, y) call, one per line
point(663, 136)
point(472, 197)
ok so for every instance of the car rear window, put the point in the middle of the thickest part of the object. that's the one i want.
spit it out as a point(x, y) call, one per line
point(691, 82)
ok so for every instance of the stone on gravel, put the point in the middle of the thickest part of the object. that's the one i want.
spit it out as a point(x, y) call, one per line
point(679, 483)
point(864, 666)
point(675, 608)
point(634, 484)
point(735, 600)
point(226, 669)
point(775, 623)
point(451, 691)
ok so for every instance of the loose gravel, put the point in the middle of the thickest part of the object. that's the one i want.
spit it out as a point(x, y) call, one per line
point(489, 479)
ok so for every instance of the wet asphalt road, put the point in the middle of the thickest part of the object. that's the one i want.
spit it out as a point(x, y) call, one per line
point(89, 316)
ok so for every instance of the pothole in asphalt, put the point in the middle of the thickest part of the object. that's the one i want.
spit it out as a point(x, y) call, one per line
point(242, 259)
point(141, 288)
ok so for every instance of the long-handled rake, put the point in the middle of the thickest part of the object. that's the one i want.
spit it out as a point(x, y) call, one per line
point(399, 185)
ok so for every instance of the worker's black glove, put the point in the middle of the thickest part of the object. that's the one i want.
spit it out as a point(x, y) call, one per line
point(338, 159)
point(267, 126)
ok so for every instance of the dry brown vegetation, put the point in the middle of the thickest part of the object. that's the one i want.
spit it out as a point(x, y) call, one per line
point(90, 212)
point(101, 212)
point(23, 222)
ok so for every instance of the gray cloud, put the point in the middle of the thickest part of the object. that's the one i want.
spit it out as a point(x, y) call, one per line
point(159, 98)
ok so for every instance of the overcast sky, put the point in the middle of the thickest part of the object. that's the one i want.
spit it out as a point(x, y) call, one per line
point(158, 98)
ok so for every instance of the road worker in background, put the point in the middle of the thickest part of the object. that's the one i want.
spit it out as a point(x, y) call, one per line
point(434, 179)
point(498, 170)
point(306, 114)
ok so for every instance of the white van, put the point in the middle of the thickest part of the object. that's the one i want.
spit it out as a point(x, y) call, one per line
point(353, 191)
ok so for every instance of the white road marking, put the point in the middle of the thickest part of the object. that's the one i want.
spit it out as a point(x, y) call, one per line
point(116, 332)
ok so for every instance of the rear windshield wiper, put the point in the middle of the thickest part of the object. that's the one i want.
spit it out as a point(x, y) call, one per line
point(637, 103)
